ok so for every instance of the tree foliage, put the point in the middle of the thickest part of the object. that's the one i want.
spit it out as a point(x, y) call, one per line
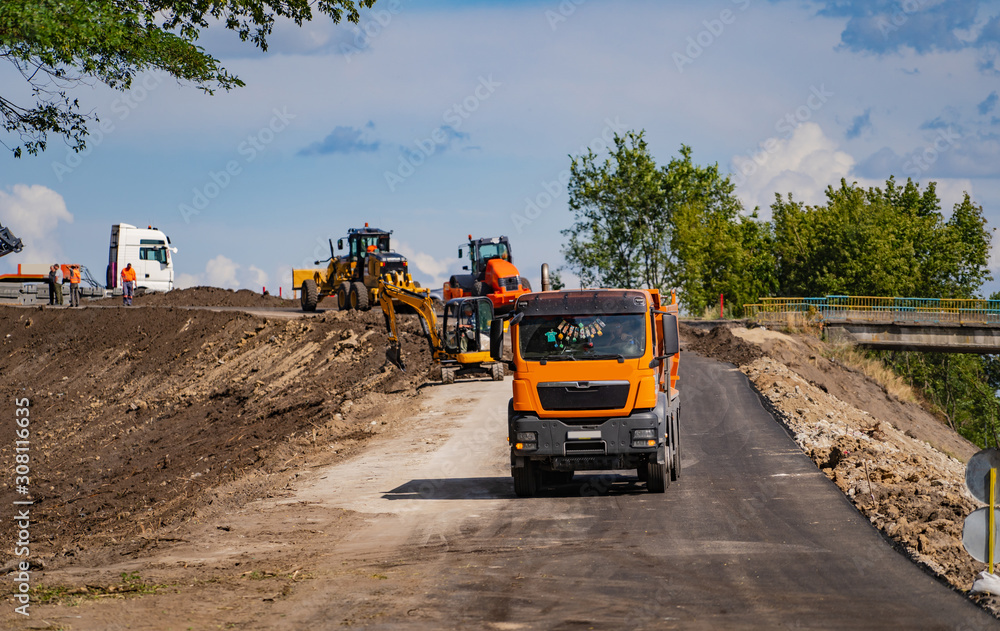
point(57, 44)
point(621, 218)
point(673, 227)
point(891, 241)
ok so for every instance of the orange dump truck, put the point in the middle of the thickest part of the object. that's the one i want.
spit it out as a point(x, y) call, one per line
point(595, 375)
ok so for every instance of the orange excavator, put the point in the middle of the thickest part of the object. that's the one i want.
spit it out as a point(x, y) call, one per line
point(491, 273)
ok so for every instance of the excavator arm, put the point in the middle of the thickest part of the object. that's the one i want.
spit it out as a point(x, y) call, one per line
point(422, 303)
point(8, 242)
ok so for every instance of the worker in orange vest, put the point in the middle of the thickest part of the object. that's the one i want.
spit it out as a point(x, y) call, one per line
point(128, 285)
point(74, 285)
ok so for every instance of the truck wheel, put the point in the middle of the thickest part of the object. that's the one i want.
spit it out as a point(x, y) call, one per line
point(525, 479)
point(359, 296)
point(310, 295)
point(453, 282)
point(657, 476)
point(343, 296)
point(447, 375)
point(525, 283)
point(496, 371)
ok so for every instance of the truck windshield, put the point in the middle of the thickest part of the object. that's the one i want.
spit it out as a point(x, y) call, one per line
point(560, 337)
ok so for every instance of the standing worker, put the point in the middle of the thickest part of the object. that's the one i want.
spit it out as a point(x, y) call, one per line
point(128, 285)
point(74, 286)
point(53, 284)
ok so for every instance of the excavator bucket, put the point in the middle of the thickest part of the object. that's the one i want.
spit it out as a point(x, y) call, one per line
point(394, 356)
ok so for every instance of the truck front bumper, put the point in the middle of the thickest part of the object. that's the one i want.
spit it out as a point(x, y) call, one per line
point(605, 444)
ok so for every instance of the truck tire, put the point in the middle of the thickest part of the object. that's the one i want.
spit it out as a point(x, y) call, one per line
point(525, 283)
point(447, 375)
point(359, 296)
point(343, 296)
point(479, 288)
point(657, 476)
point(310, 295)
point(525, 479)
point(496, 371)
point(453, 282)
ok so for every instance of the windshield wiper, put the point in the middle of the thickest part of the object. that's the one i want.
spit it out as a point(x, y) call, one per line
point(618, 356)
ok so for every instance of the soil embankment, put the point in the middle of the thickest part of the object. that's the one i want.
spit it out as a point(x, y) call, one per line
point(140, 416)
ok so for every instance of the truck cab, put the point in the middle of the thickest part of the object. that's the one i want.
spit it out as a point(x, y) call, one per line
point(594, 382)
point(148, 250)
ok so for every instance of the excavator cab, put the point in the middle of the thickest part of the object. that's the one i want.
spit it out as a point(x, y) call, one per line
point(467, 329)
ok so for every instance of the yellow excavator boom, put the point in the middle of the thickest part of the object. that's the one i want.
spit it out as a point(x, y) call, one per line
point(420, 300)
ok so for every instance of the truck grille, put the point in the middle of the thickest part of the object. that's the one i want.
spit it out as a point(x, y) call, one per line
point(583, 395)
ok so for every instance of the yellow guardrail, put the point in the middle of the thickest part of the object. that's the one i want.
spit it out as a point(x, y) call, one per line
point(878, 309)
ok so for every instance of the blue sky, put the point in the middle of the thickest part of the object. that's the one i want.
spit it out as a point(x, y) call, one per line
point(440, 119)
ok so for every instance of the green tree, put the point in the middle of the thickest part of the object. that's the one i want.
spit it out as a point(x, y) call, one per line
point(891, 241)
point(58, 44)
point(621, 233)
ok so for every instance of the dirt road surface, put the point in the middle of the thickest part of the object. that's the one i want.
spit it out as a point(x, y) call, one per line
point(422, 530)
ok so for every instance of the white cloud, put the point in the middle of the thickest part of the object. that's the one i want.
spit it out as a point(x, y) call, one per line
point(803, 164)
point(184, 281)
point(439, 270)
point(224, 272)
point(32, 213)
point(221, 272)
point(256, 275)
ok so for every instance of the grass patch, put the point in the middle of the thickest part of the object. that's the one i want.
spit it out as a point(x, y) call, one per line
point(874, 369)
point(131, 585)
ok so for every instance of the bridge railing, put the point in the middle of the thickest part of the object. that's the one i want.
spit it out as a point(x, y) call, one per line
point(836, 308)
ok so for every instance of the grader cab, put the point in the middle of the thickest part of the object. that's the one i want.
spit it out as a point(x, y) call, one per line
point(355, 276)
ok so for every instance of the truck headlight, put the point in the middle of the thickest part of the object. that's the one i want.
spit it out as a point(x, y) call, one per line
point(644, 438)
point(527, 437)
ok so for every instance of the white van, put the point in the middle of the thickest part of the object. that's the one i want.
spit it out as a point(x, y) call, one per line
point(148, 250)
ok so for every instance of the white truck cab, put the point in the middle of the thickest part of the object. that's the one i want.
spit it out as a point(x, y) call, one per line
point(148, 250)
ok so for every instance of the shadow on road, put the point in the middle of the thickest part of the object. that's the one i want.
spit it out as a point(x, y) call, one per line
point(583, 485)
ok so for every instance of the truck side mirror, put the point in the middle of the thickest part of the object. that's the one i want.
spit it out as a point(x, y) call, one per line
point(465, 267)
point(496, 339)
point(671, 339)
point(459, 252)
point(340, 244)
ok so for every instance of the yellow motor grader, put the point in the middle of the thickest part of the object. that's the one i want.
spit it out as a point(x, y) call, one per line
point(463, 345)
point(354, 278)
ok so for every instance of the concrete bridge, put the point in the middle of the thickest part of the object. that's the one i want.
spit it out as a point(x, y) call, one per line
point(906, 324)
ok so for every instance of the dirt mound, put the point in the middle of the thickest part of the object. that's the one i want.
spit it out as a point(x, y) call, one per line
point(208, 297)
point(720, 343)
point(137, 413)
